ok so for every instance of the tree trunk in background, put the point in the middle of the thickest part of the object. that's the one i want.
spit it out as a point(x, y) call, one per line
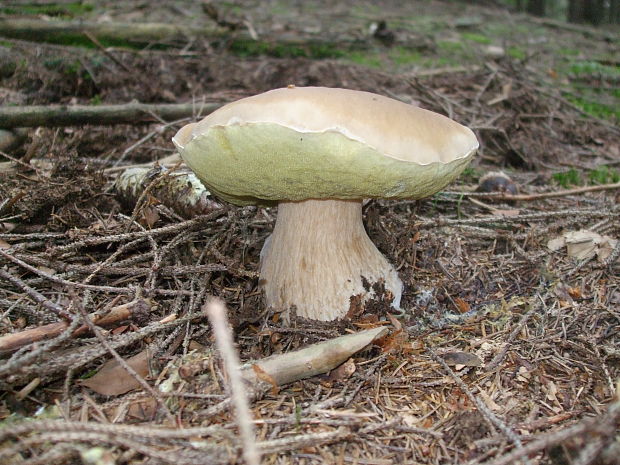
point(536, 7)
point(614, 11)
point(576, 11)
point(588, 11)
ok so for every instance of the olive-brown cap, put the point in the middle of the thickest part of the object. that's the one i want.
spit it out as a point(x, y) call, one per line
point(301, 143)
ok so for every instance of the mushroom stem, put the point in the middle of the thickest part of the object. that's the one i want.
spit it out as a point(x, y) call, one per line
point(316, 258)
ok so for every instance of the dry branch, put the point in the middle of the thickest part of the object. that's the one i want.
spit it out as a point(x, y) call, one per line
point(75, 115)
point(140, 33)
point(14, 341)
point(313, 360)
point(148, 33)
point(216, 311)
point(541, 195)
point(603, 425)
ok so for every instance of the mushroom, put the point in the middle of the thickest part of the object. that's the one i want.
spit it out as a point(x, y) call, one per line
point(318, 152)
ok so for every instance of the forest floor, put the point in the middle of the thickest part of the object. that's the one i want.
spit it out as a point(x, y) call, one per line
point(509, 345)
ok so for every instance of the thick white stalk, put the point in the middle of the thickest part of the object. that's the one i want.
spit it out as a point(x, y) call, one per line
point(317, 256)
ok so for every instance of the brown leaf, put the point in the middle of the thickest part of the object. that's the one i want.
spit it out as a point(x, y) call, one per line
point(575, 292)
point(149, 217)
point(397, 324)
point(461, 358)
point(342, 372)
point(267, 378)
point(113, 380)
point(506, 212)
point(142, 409)
point(394, 341)
point(414, 347)
point(461, 305)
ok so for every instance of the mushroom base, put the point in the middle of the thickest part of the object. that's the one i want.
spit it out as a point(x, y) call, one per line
point(316, 258)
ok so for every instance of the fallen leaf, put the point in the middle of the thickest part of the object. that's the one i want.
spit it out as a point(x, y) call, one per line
point(556, 243)
point(461, 305)
point(503, 212)
point(142, 409)
point(461, 358)
point(523, 375)
point(583, 244)
point(46, 269)
point(489, 402)
point(4, 245)
point(149, 217)
point(413, 347)
point(504, 95)
point(397, 325)
point(113, 380)
point(575, 292)
point(551, 390)
point(562, 292)
point(120, 329)
point(267, 378)
point(342, 372)
point(395, 340)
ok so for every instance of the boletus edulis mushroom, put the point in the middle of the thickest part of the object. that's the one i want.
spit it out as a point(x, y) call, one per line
point(317, 153)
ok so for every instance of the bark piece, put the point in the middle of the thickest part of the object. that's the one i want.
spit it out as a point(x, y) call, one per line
point(178, 189)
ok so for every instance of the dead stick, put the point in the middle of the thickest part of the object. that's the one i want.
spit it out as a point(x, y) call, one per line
point(277, 370)
point(76, 115)
point(313, 360)
point(141, 33)
point(105, 343)
point(488, 415)
point(147, 33)
point(542, 195)
point(36, 295)
point(12, 342)
point(601, 425)
point(216, 311)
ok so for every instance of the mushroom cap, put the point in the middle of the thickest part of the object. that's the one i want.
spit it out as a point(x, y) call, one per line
point(300, 143)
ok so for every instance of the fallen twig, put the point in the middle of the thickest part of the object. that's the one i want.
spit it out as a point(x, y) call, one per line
point(313, 360)
point(277, 370)
point(78, 115)
point(147, 387)
point(484, 410)
point(36, 295)
point(600, 425)
point(216, 312)
point(542, 195)
point(136, 308)
point(598, 33)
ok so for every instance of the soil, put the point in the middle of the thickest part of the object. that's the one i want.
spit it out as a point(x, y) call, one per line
point(480, 279)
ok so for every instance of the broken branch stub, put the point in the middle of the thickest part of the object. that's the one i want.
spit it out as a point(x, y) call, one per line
point(313, 360)
point(178, 189)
